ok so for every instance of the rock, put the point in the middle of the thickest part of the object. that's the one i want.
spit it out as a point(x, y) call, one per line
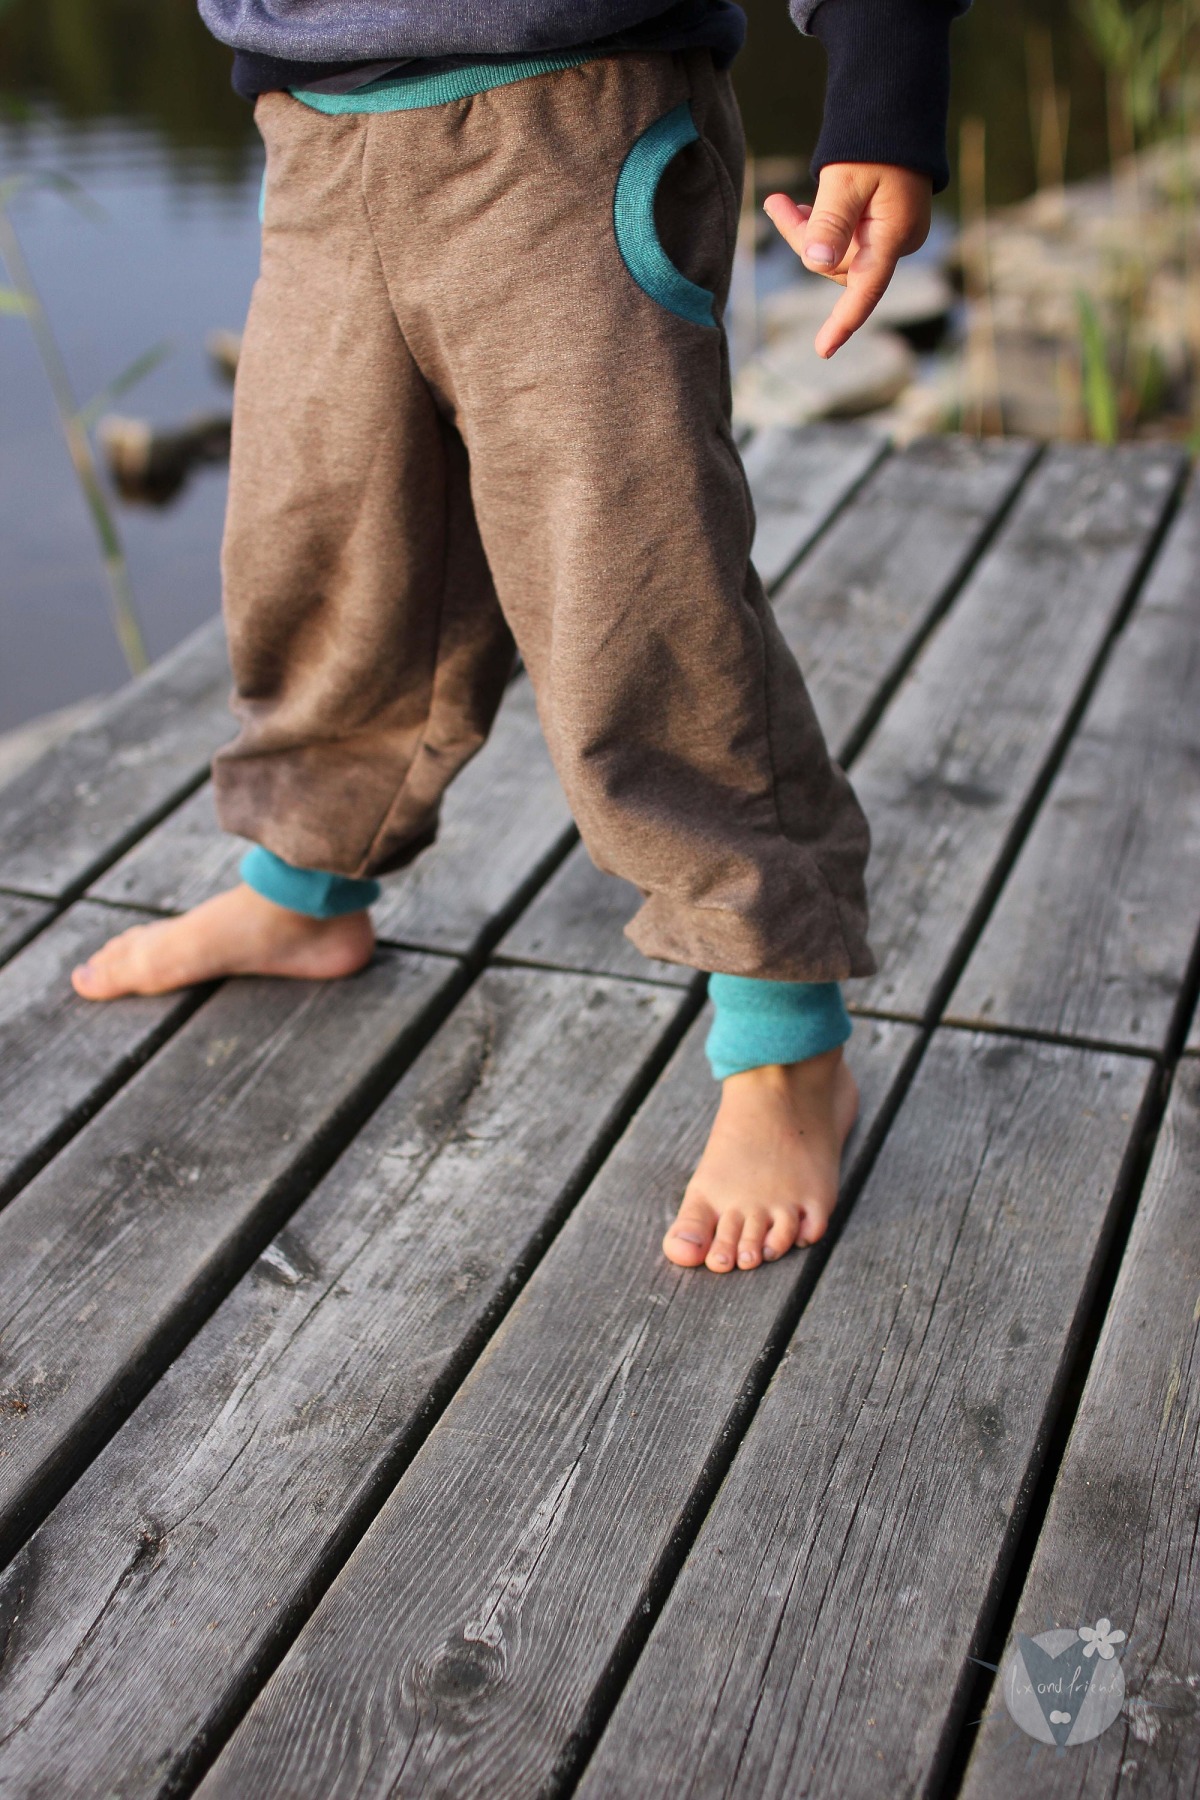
point(224, 348)
point(934, 402)
point(789, 384)
point(918, 304)
point(147, 464)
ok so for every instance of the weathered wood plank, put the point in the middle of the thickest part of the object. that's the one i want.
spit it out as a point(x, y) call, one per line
point(60, 1056)
point(507, 1567)
point(798, 477)
point(578, 922)
point(852, 612)
point(125, 1239)
point(217, 1506)
point(855, 609)
point(950, 772)
point(1095, 927)
point(1119, 1541)
point(503, 821)
point(19, 919)
point(817, 1639)
point(67, 817)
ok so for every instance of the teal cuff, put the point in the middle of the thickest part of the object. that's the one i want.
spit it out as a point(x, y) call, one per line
point(309, 891)
point(760, 1022)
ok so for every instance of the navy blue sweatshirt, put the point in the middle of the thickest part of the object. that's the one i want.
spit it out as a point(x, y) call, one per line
point(889, 60)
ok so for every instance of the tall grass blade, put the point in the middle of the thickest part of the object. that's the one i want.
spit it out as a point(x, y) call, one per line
point(138, 369)
point(125, 620)
point(1100, 397)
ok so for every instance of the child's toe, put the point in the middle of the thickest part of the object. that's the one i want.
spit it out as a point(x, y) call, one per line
point(750, 1245)
point(814, 1221)
point(785, 1228)
point(723, 1254)
point(688, 1240)
point(100, 977)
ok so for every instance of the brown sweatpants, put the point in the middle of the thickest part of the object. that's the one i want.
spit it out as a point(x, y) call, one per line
point(461, 421)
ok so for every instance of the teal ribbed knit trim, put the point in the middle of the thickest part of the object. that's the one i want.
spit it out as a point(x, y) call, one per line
point(405, 93)
point(310, 891)
point(633, 218)
point(760, 1022)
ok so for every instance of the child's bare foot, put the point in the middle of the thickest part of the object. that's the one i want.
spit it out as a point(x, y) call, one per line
point(768, 1178)
point(238, 933)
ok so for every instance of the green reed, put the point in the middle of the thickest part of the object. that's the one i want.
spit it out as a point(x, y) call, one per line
point(23, 299)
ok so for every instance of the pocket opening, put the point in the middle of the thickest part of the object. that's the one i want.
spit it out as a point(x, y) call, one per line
point(633, 218)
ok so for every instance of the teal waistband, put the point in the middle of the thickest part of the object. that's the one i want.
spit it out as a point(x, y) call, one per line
point(405, 93)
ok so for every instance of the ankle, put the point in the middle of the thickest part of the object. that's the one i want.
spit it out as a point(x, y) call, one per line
point(782, 1078)
point(272, 913)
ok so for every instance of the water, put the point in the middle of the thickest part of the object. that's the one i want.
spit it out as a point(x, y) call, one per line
point(131, 99)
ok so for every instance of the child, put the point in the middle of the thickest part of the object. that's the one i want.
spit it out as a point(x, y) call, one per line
point(484, 398)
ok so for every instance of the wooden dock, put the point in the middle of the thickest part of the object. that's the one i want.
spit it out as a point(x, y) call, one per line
point(355, 1439)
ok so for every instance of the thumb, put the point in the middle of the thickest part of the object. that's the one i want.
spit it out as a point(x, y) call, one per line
point(833, 220)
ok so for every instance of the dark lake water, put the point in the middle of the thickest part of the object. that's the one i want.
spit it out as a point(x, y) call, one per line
point(131, 99)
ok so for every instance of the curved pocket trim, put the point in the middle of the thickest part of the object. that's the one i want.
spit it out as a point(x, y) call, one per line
point(633, 218)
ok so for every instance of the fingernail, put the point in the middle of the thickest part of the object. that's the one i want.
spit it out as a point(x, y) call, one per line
point(820, 254)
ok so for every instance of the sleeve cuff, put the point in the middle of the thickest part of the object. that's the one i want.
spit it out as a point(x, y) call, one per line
point(887, 93)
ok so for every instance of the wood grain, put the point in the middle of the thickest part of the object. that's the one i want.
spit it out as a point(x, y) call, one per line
point(1119, 1541)
point(73, 811)
point(954, 764)
point(20, 918)
point(504, 821)
point(1095, 928)
point(154, 1589)
point(578, 921)
point(852, 612)
point(60, 1056)
point(462, 1645)
point(111, 1255)
point(798, 477)
point(855, 609)
point(817, 1639)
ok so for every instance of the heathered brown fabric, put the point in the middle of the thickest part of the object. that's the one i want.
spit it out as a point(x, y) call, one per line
point(441, 291)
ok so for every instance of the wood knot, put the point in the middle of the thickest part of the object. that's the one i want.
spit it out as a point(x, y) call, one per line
point(462, 1671)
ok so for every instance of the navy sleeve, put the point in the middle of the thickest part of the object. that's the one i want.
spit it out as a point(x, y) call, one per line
point(887, 92)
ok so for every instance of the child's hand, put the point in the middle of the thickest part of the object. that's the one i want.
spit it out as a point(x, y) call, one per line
point(866, 217)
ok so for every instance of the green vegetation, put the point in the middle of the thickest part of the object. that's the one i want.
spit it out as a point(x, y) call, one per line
point(22, 298)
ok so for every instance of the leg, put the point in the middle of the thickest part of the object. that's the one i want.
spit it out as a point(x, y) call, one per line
point(368, 648)
point(616, 518)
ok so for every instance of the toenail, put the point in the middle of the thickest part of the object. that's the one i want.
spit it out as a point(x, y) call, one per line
point(83, 968)
point(721, 1260)
point(686, 1237)
point(769, 1253)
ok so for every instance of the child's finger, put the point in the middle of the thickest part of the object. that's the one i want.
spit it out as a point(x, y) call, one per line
point(866, 282)
point(788, 219)
point(833, 219)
